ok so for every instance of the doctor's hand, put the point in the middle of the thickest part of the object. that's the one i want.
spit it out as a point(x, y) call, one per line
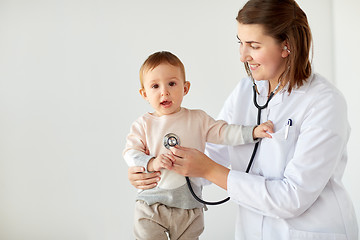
point(193, 163)
point(189, 161)
point(262, 130)
point(141, 180)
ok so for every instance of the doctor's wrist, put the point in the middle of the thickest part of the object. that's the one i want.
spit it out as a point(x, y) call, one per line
point(217, 174)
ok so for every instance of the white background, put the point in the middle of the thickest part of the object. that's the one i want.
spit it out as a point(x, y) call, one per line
point(69, 92)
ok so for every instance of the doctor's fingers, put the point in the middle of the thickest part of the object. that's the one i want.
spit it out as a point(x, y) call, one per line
point(193, 166)
point(178, 151)
point(135, 169)
point(188, 156)
point(136, 174)
point(166, 162)
point(181, 167)
point(145, 180)
point(171, 157)
point(146, 183)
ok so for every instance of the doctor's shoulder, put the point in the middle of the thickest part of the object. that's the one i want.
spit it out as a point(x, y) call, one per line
point(324, 106)
point(242, 91)
point(323, 90)
point(243, 85)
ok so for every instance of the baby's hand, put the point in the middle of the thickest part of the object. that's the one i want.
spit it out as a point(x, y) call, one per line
point(160, 162)
point(261, 130)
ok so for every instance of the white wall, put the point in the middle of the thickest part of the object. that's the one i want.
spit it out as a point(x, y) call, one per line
point(346, 64)
point(69, 92)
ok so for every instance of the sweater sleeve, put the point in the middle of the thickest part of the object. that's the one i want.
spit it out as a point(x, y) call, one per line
point(135, 152)
point(220, 132)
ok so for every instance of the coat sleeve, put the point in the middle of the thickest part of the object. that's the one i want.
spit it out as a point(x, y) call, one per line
point(321, 143)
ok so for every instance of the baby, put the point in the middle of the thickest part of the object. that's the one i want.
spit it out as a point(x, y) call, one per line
point(169, 208)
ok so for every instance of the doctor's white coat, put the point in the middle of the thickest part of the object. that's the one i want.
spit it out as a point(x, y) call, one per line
point(294, 188)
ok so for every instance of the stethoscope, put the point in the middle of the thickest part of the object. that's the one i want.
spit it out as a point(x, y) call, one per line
point(171, 140)
point(259, 118)
point(255, 91)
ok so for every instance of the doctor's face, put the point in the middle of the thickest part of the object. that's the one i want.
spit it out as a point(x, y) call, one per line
point(164, 88)
point(263, 53)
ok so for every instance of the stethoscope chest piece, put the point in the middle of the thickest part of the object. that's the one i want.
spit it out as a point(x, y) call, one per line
point(171, 140)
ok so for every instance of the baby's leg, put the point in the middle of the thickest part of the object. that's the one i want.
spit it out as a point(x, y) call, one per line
point(151, 222)
point(186, 224)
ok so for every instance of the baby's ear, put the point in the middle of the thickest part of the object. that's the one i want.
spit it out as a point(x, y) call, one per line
point(186, 87)
point(143, 93)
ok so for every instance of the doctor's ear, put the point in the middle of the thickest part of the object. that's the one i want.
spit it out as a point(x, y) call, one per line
point(286, 51)
point(143, 93)
point(186, 87)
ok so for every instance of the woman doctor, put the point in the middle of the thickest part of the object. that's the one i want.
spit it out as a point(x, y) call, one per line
point(293, 189)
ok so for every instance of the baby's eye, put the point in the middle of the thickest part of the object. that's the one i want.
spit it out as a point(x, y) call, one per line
point(155, 86)
point(171, 84)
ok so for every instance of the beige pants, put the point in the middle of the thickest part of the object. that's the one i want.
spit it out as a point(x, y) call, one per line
point(156, 221)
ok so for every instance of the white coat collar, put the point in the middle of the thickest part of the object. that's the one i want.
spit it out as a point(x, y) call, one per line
point(263, 88)
point(303, 88)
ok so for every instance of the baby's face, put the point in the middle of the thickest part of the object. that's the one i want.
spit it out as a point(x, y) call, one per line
point(164, 88)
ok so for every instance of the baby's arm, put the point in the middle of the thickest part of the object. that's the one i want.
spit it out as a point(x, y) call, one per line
point(261, 130)
point(136, 152)
point(220, 132)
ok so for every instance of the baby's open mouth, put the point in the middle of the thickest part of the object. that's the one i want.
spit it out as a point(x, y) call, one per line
point(165, 103)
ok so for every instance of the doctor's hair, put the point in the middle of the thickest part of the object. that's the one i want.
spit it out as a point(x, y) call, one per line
point(287, 23)
point(158, 58)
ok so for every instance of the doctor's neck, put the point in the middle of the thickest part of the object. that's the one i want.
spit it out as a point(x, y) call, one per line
point(277, 84)
point(275, 87)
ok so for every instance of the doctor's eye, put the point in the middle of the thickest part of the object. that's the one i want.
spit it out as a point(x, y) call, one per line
point(238, 39)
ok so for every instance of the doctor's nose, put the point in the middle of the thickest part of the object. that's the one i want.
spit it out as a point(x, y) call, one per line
point(244, 54)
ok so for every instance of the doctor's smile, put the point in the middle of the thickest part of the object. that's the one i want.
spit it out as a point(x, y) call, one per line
point(253, 67)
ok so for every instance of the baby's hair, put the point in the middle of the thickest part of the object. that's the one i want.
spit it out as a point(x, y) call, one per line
point(158, 58)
